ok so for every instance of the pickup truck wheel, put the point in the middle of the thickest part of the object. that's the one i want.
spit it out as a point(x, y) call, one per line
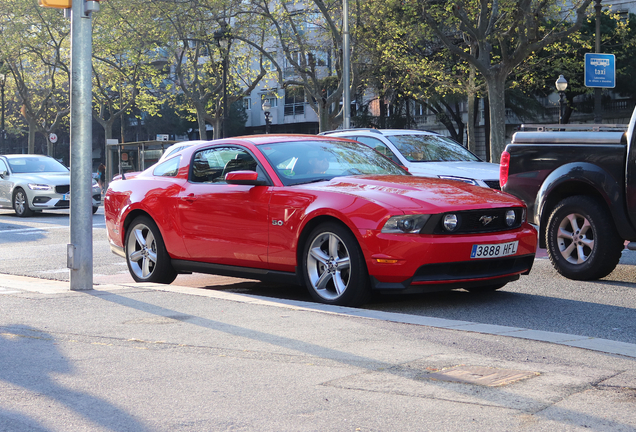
point(582, 242)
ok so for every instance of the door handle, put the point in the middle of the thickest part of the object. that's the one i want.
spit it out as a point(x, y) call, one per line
point(190, 198)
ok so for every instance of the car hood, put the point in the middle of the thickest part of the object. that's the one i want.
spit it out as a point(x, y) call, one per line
point(410, 193)
point(472, 170)
point(54, 179)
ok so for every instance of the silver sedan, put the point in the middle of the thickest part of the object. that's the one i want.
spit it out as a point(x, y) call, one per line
point(32, 183)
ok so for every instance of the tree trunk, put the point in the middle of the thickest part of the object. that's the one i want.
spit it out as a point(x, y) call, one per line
point(324, 122)
point(470, 126)
point(496, 98)
point(31, 141)
point(203, 132)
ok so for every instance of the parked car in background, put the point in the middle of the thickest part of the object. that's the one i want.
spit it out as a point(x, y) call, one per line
point(32, 183)
point(326, 213)
point(177, 147)
point(426, 154)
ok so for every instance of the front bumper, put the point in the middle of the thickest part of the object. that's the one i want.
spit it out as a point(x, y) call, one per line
point(56, 201)
point(422, 263)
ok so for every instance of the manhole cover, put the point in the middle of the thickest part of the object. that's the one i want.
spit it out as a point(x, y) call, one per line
point(485, 376)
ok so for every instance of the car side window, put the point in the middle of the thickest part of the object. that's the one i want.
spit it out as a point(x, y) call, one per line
point(379, 146)
point(169, 168)
point(211, 165)
point(3, 167)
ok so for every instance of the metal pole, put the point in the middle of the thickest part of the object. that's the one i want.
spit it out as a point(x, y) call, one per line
point(598, 90)
point(224, 127)
point(80, 251)
point(561, 94)
point(2, 116)
point(346, 102)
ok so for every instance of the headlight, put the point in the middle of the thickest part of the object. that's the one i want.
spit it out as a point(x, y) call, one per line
point(462, 179)
point(410, 224)
point(450, 222)
point(41, 187)
point(510, 217)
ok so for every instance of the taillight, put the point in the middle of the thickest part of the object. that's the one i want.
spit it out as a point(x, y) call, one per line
point(504, 165)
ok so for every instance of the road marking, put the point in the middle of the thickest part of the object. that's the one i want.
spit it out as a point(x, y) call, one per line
point(37, 230)
point(8, 291)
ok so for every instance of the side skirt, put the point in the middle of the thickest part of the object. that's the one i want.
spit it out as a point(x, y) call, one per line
point(264, 275)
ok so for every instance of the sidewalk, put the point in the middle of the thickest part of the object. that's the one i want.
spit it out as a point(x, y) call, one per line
point(137, 357)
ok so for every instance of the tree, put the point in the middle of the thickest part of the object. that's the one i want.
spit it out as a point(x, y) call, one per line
point(123, 66)
point(406, 58)
point(567, 57)
point(34, 47)
point(496, 37)
point(188, 43)
point(310, 37)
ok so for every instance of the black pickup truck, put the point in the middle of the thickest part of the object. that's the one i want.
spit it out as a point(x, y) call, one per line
point(579, 183)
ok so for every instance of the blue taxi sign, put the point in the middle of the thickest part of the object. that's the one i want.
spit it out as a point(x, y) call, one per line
point(600, 70)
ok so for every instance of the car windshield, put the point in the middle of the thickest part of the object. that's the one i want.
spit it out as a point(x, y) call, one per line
point(42, 164)
point(309, 161)
point(431, 148)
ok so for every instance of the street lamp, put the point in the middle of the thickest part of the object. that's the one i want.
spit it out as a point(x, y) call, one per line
point(597, 90)
point(3, 80)
point(223, 40)
point(267, 106)
point(561, 85)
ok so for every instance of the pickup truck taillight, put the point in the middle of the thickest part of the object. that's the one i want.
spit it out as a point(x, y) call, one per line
point(503, 168)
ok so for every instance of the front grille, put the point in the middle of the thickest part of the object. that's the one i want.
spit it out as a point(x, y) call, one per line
point(62, 204)
point(475, 221)
point(475, 269)
point(62, 189)
point(494, 184)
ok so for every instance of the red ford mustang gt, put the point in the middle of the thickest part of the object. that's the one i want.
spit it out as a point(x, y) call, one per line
point(327, 213)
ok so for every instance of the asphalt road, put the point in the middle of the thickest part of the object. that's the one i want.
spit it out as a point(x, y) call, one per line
point(542, 300)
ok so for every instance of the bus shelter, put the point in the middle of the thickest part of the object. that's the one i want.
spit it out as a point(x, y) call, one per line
point(122, 158)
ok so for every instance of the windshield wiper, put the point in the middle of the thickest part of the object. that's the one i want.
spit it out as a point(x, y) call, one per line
point(318, 180)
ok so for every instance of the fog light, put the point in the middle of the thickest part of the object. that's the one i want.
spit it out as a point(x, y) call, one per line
point(510, 217)
point(450, 222)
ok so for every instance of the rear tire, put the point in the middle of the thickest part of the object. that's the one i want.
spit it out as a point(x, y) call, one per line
point(21, 203)
point(333, 267)
point(146, 254)
point(581, 239)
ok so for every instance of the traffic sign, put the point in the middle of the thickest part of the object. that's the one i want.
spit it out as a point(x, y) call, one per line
point(53, 138)
point(600, 70)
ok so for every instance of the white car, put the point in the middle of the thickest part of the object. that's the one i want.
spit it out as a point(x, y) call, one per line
point(32, 183)
point(176, 148)
point(427, 154)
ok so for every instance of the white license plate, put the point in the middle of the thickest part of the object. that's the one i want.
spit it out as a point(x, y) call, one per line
point(494, 250)
point(66, 197)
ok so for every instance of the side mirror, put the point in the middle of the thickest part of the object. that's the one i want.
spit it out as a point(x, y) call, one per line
point(244, 178)
point(3, 174)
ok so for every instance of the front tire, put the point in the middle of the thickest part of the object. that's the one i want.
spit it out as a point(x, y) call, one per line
point(333, 267)
point(21, 203)
point(582, 242)
point(146, 254)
